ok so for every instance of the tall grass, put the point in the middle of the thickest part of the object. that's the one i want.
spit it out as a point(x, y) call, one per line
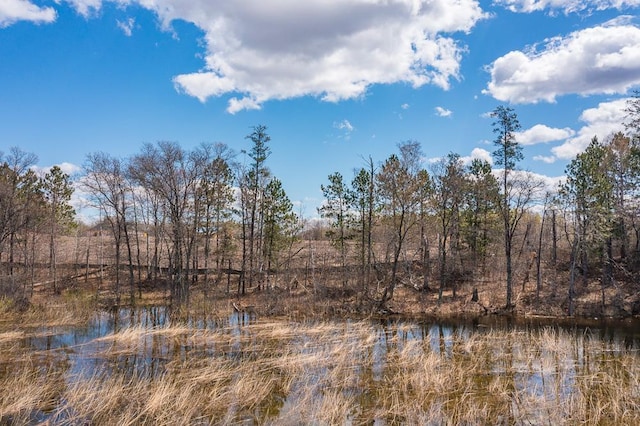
point(71, 309)
point(286, 373)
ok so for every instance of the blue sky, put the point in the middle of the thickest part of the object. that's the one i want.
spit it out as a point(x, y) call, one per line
point(333, 80)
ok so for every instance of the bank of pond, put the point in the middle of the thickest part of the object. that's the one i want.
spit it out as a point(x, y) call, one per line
point(145, 366)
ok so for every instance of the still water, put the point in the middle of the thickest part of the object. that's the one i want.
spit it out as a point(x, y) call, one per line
point(398, 371)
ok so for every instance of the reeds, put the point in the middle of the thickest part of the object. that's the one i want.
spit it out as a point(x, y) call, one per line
point(286, 373)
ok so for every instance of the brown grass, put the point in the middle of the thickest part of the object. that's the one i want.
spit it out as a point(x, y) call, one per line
point(282, 372)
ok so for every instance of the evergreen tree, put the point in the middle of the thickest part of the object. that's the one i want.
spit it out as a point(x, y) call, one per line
point(338, 201)
point(57, 190)
point(507, 154)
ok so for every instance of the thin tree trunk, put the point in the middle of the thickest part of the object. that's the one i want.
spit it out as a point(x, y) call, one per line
point(572, 277)
point(539, 257)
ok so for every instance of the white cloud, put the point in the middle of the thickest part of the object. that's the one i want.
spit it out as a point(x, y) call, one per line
point(541, 185)
point(404, 106)
point(443, 112)
point(549, 159)
point(567, 6)
point(477, 153)
point(127, 26)
point(12, 11)
point(88, 7)
point(549, 184)
point(68, 168)
point(344, 125)
point(247, 103)
point(599, 60)
point(346, 128)
point(334, 50)
point(541, 133)
point(602, 121)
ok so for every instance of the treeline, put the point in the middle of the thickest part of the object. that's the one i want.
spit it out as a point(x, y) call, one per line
point(30, 206)
point(202, 214)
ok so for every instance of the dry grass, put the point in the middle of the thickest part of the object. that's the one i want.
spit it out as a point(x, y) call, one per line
point(288, 373)
point(70, 309)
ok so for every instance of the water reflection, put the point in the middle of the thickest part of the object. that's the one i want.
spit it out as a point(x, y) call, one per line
point(80, 345)
point(371, 364)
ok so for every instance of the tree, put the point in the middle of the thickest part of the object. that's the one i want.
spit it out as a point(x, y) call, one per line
point(589, 190)
point(338, 200)
point(217, 190)
point(57, 189)
point(508, 152)
point(105, 179)
point(425, 194)
point(252, 182)
point(448, 195)
point(279, 224)
point(20, 195)
point(623, 163)
point(632, 119)
point(364, 201)
point(478, 216)
point(173, 174)
point(398, 187)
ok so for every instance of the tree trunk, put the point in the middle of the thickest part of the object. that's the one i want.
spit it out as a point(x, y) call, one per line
point(426, 264)
point(539, 257)
point(572, 277)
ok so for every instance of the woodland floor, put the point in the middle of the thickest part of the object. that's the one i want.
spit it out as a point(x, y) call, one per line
point(330, 299)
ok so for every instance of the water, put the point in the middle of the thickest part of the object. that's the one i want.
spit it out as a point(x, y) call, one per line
point(540, 360)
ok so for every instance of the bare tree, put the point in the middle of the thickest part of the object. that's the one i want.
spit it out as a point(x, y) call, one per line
point(105, 179)
point(173, 175)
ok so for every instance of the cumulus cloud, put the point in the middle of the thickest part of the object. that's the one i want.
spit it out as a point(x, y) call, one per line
point(12, 11)
point(477, 153)
point(566, 6)
point(602, 121)
point(443, 112)
point(126, 26)
point(541, 133)
point(335, 50)
point(599, 60)
point(404, 106)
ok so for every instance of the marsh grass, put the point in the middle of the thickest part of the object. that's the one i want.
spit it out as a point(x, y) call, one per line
point(73, 308)
point(289, 373)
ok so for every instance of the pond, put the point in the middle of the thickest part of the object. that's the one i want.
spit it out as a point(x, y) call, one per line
point(137, 366)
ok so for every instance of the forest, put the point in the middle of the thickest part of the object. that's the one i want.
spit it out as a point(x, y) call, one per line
point(400, 236)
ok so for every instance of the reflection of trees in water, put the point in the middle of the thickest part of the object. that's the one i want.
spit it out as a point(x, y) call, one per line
point(389, 370)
